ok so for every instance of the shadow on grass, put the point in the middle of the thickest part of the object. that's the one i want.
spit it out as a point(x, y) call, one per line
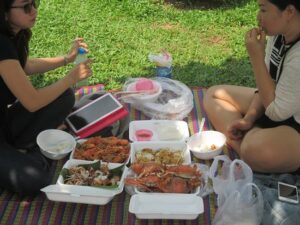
point(232, 71)
point(205, 4)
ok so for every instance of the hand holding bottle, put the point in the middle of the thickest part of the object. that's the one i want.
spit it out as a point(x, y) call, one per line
point(78, 43)
point(80, 72)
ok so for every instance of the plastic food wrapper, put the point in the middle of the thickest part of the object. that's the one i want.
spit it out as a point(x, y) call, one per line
point(174, 102)
point(239, 200)
point(164, 59)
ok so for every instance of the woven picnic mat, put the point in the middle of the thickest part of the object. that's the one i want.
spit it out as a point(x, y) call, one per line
point(39, 210)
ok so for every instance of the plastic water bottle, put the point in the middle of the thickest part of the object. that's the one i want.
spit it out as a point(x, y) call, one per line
point(81, 57)
point(164, 71)
point(163, 63)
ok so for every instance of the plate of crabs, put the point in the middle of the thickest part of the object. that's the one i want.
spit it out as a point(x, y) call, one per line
point(162, 188)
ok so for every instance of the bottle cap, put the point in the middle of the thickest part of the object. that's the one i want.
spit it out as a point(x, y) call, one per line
point(81, 51)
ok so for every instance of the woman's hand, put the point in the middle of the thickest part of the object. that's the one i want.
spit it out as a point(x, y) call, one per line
point(80, 72)
point(255, 41)
point(238, 128)
point(78, 43)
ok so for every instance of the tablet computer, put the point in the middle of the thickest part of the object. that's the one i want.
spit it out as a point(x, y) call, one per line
point(96, 115)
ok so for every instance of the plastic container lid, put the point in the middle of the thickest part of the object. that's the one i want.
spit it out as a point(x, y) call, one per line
point(144, 84)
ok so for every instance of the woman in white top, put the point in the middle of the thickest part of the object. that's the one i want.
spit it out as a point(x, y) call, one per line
point(263, 124)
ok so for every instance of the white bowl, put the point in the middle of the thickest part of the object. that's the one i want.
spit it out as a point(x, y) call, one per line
point(150, 97)
point(55, 144)
point(207, 144)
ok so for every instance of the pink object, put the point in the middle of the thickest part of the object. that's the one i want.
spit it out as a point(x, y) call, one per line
point(144, 84)
point(143, 135)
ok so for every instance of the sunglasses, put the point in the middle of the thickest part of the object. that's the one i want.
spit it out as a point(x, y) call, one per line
point(28, 6)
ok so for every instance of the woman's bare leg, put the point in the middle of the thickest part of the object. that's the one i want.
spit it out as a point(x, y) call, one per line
point(265, 150)
point(272, 149)
point(226, 103)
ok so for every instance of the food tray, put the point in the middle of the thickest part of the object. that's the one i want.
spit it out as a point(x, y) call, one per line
point(80, 141)
point(166, 206)
point(156, 145)
point(162, 130)
point(83, 194)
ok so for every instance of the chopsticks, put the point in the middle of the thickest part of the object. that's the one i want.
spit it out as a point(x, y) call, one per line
point(128, 94)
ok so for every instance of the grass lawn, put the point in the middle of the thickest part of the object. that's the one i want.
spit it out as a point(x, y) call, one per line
point(207, 43)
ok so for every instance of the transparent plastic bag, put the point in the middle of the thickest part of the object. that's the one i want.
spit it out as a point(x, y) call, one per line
point(164, 59)
point(239, 200)
point(174, 102)
point(233, 176)
point(241, 207)
point(206, 187)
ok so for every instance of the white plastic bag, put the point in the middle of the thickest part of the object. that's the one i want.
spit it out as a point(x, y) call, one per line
point(233, 176)
point(164, 59)
point(243, 207)
point(239, 200)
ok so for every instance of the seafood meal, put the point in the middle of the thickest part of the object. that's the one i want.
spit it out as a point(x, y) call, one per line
point(163, 156)
point(92, 176)
point(155, 177)
point(108, 149)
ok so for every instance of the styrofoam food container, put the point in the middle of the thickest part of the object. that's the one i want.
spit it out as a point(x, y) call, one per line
point(166, 206)
point(195, 192)
point(83, 194)
point(200, 144)
point(55, 144)
point(80, 141)
point(150, 97)
point(156, 145)
point(163, 130)
point(136, 190)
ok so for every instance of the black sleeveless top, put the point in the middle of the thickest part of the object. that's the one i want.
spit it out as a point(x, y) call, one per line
point(7, 51)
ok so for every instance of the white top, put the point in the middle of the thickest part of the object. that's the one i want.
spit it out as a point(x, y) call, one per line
point(287, 92)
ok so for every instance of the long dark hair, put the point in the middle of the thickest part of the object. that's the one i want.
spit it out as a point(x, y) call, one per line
point(282, 4)
point(21, 39)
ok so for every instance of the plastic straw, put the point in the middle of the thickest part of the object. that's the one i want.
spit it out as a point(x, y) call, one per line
point(201, 125)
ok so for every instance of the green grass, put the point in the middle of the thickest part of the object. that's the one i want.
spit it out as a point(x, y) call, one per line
point(207, 45)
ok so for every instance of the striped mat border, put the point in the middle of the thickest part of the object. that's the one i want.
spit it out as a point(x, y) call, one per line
point(39, 210)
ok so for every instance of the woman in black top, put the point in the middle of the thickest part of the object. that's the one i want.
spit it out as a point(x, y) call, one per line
point(25, 110)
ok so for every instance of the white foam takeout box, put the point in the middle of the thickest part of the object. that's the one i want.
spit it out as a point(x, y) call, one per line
point(166, 206)
point(81, 141)
point(83, 194)
point(162, 205)
point(163, 130)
